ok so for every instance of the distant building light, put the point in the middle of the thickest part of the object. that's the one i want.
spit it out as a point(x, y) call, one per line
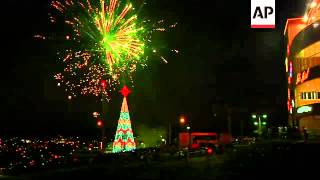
point(255, 123)
point(264, 116)
point(254, 116)
point(264, 123)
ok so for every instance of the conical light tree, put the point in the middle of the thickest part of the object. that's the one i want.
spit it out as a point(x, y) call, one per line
point(124, 140)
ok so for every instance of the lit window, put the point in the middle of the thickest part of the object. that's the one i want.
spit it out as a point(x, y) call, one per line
point(312, 95)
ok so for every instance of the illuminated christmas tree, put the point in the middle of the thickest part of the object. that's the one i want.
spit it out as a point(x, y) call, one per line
point(124, 140)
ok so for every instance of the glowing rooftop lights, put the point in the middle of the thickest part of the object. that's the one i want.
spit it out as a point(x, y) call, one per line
point(313, 4)
point(305, 18)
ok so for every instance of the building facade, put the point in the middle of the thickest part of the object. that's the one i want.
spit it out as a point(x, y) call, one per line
point(303, 69)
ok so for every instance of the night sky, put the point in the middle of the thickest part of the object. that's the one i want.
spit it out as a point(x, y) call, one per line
point(222, 62)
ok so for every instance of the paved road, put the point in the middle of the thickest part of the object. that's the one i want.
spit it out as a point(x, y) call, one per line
point(266, 160)
point(193, 167)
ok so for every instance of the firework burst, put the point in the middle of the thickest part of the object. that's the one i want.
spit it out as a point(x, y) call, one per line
point(108, 42)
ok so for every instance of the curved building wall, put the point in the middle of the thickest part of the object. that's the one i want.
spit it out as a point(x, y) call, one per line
point(306, 83)
point(303, 71)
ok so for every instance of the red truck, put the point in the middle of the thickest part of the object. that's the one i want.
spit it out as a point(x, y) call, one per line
point(200, 139)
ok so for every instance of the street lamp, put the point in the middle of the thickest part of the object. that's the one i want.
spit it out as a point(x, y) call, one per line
point(184, 123)
point(95, 114)
point(182, 120)
point(99, 123)
point(262, 118)
point(163, 141)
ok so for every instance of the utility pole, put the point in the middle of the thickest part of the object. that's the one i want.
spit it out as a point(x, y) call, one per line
point(170, 133)
point(104, 108)
point(241, 127)
point(229, 121)
point(259, 126)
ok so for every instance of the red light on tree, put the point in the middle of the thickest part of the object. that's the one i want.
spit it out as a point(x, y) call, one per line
point(103, 83)
point(99, 123)
point(209, 151)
